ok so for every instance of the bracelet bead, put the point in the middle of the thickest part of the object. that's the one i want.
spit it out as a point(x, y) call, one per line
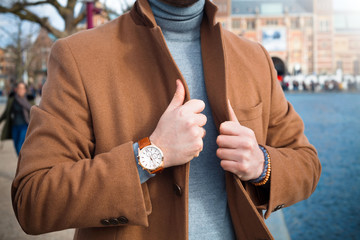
point(263, 179)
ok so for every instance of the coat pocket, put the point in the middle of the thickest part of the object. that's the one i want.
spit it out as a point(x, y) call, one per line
point(251, 118)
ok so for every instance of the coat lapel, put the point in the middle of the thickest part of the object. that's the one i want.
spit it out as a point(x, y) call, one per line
point(213, 56)
point(214, 64)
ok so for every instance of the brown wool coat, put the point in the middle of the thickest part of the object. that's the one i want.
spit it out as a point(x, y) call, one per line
point(106, 89)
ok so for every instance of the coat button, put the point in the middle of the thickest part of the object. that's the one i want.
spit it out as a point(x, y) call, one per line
point(279, 207)
point(105, 222)
point(177, 190)
point(114, 221)
point(122, 220)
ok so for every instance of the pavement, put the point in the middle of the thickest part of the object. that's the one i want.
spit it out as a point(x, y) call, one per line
point(277, 226)
point(9, 227)
point(11, 230)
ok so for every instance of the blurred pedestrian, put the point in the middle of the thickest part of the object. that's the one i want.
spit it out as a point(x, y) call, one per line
point(304, 86)
point(16, 116)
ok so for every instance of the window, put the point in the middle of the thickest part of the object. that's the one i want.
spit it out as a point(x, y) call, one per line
point(43, 64)
point(251, 24)
point(272, 22)
point(295, 23)
point(271, 8)
point(324, 5)
point(354, 44)
point(236, 23)
point(324, 26)
point(356, 67)
point(309, 22)
point(339, 65)
point(222, 7)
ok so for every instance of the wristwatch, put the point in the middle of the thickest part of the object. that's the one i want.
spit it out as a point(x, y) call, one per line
point(150, 157)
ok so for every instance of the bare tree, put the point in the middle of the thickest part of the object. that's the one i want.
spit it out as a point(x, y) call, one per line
point(21, 8)
point(20, 44)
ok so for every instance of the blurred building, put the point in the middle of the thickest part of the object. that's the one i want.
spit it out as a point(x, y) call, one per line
point(302, 36)
point(37, 58)
point(2, 69)
point(7, 67)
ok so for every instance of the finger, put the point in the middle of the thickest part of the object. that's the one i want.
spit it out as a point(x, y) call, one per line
point(198, 148)
point(232, 113)
point(194, 105)
point(204, 133)
point(236, 129)
point(232, 167)
point(230, 128)
point(202, 145)
point(229, 153)
point(200, 119)
point(179, 95)
point(201, 132)
point(235, 142)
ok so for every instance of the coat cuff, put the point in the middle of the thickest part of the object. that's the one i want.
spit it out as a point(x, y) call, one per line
point(293, 179)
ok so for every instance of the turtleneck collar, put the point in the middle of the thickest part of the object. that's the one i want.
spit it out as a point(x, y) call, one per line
point(178, 23)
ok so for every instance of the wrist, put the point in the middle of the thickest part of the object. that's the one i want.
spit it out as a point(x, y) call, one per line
point(265, 175)
point(154, 140)
point(150, 156)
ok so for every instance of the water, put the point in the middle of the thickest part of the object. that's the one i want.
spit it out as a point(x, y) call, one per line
point(332, 124)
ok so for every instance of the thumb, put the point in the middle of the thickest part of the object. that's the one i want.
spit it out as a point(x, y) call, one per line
point(232, 114)
point(179, 95)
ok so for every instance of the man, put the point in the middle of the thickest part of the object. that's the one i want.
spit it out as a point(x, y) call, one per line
point(16, 116)
point(108, 150)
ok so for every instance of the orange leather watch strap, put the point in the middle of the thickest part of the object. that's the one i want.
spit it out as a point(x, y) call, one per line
point(144, 142)
point(158, 170)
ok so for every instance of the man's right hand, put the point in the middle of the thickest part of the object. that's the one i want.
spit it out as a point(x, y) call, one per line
point(179, 131)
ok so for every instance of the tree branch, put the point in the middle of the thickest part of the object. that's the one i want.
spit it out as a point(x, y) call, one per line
point(79, 18)
point(61, 10)
point(25, 14)
point(9, 34)
point(71, 4)
point(25, 4)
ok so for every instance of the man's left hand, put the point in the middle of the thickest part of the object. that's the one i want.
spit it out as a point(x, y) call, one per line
point(238, 149)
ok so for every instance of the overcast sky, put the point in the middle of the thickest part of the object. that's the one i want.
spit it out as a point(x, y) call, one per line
point(347, 5)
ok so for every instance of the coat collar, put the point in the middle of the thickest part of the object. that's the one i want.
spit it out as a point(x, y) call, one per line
point(142, 14)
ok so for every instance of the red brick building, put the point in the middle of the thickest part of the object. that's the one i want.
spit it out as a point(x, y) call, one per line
point(302, 36)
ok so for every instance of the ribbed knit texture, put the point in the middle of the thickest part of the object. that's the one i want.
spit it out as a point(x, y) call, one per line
point(209, 216)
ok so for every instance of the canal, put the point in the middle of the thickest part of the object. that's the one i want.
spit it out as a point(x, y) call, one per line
point(332, 124)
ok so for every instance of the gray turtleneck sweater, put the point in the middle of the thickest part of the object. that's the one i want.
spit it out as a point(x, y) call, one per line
point(209, 216)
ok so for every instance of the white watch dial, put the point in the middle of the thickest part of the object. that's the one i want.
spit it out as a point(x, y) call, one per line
point(150, 157)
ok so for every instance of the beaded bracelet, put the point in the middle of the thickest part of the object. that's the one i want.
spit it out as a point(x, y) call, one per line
point(264, 177)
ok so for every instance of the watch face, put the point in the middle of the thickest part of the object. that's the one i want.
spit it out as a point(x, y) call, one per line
point(150, 157)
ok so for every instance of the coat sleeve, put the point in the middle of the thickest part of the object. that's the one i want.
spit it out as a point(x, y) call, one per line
point(6, 111)
point(2, 117)
point(295, 167)
point(59, 183)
